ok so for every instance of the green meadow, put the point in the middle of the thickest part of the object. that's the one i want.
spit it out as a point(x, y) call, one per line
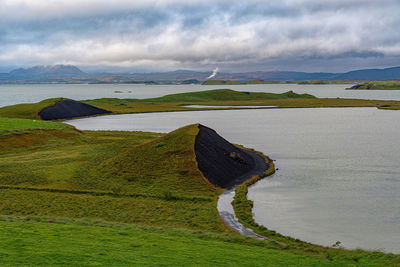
point(219, 97)
point(60, 241)
point(70, 197)
point(11, 125)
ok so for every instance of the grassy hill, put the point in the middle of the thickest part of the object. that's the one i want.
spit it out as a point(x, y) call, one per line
point(166, 163)
point(120, 176)
point(226, 95)
point(27, 111)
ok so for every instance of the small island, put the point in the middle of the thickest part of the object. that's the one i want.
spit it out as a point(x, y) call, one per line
point(377, 85)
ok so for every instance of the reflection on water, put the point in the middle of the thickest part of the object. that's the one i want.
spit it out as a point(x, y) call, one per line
point(339, 172)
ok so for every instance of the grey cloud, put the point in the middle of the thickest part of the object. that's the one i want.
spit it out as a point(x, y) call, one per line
point(199, 33)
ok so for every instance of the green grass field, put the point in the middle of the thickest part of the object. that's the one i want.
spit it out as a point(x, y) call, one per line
point(87, 243)
point(128, 198)
point(11, 125)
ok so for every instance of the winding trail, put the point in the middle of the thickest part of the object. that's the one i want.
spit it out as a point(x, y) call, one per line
point(227, 213)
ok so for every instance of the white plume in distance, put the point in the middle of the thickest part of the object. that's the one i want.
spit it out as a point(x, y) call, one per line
point(213, 74)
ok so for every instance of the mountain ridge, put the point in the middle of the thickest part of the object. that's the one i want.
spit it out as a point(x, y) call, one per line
point(58, 70)
point(70, 73)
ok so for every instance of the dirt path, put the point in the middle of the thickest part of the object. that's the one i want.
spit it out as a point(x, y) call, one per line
point(227, 214)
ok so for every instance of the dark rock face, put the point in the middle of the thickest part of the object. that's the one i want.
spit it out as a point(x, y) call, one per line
point(67, 109)
point(222, 163)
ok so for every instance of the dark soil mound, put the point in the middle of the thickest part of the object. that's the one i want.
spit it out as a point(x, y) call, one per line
point(67, 109)
point(222, 163)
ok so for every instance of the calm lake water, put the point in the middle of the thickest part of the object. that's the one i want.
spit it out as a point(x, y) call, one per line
point(15, 94)
point(339, 171)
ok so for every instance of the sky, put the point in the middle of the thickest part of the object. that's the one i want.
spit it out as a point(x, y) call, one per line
point(236, 36)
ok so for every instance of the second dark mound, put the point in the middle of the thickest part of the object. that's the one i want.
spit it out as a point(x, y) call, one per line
point(224, 164)
point(67, 109)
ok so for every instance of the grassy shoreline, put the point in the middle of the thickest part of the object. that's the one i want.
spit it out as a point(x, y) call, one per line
point(219, 97)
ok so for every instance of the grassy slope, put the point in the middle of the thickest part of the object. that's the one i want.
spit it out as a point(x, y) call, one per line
point(152, 185)
point(377, 85)
point(27, 111)
point(40, 243)
point(11, 125)
point(167, 163)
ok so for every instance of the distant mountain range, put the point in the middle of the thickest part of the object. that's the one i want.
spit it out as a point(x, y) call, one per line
point(72, 74)
point(46, 72)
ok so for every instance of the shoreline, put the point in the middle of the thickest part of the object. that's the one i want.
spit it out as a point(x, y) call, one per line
point(229, 218)
point(226, 200)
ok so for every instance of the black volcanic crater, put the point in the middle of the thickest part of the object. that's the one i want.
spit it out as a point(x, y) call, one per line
point(224, 164)
point(68, 109)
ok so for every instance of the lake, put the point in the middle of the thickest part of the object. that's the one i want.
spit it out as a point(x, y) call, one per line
point(339, 171)
point(15, 94)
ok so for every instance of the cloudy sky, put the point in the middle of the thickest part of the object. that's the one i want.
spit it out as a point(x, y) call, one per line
point(136, 35)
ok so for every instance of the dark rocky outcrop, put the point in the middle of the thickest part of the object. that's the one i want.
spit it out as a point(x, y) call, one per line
point(224, 164)
point(67, 109)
